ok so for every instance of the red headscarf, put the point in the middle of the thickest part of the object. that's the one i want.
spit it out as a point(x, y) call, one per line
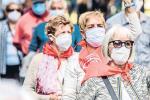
point(49, 50)
point(95, 64)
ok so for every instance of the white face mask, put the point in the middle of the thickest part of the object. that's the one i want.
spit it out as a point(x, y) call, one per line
point(63, 41)
point(120, 55)
point(14, 16)
point(95, 36)
point(56, 12)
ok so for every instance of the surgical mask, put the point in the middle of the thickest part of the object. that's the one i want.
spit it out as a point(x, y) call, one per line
point(14, 16)
point(120, 55)
point(95, 36)
point(63, 41)
point(56, 12)
point(39, 8)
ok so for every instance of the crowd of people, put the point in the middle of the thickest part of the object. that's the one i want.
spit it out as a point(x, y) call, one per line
point(54, 58)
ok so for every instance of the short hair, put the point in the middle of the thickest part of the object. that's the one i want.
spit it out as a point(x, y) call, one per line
point(117, 29)
point(54, 22)
point(53, 1)
point(85, 16)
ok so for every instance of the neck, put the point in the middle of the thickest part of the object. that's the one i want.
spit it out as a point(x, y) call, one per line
point(90, 48)
point(112, 64)
point(56, 48)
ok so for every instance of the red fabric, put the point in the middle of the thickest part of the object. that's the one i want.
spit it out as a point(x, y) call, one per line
point(49, 50)
point(95, 64)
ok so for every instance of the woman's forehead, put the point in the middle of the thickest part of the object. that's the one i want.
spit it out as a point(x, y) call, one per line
point(94, 20)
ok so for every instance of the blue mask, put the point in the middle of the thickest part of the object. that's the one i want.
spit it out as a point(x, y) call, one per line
point(39, 8)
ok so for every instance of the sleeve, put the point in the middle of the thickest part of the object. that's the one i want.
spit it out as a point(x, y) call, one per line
point(30, 80)
point(70, 83)
point(143, 50)
point(34, 42)
point(135, 25)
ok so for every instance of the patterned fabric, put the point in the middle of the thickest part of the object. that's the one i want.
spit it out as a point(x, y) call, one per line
point(47, 76)
point(95, 89)
point(3, 46)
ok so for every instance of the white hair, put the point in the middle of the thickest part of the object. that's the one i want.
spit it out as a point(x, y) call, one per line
point(53, 1)
point(11, 90)
point(117, 29)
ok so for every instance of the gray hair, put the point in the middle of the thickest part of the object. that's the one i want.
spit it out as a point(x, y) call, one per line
point(117, 29)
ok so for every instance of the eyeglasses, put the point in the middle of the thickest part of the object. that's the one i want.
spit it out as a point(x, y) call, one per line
point(10, 10)
point(119, 43)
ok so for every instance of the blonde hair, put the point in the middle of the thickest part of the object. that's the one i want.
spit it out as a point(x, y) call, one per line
point(85, 17)
point(54, 22)
point(117, 29)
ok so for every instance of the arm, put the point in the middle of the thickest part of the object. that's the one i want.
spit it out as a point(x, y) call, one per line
point(143, 50)
point(30, 79)
point(70, 83)
point(134, 21)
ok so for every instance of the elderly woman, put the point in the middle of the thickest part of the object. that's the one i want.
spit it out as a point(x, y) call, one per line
point(9, 54)
point(125, 80)
point(45, 75)
point(92, 25)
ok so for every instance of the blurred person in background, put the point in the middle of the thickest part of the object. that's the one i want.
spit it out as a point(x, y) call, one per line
point(56, 7)
point(10, 56)
point(2, 14)
point(45, 75)
point(143, 41)
point(27, 23)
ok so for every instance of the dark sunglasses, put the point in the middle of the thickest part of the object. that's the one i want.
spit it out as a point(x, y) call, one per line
point(119, 44)
point(56, 8)
point(10, 10)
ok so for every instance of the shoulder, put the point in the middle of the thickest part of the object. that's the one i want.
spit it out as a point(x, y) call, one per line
point(37, 57)
point(115, 17)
